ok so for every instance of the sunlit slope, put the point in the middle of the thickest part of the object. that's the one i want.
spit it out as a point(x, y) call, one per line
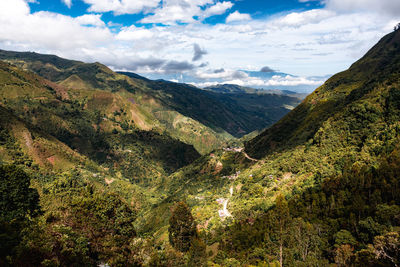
point(99, 127)
point(351, 122)
point(207, 120)
point(350, 108)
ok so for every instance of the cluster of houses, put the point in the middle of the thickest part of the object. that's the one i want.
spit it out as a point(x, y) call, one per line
point(233, 176)
point(234, 149)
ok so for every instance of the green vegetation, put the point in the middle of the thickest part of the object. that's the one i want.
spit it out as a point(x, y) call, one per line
point(108, 171)
point(19, 204)
point(159, 105)
point(182, 227)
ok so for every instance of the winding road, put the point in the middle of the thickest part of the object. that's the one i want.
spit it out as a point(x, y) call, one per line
point(248, 157)
point(224, 212)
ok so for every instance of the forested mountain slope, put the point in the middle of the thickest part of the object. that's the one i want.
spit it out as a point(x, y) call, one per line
point(325, 185)
point(204, 119)
point(238, 114)
point(365, 93)
point(127, 100)
point(91, 128)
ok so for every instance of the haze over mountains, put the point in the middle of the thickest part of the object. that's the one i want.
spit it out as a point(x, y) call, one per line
point(263, 79)
point(100, 167)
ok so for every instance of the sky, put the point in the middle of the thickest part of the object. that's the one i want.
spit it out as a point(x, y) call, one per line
point(205, 41)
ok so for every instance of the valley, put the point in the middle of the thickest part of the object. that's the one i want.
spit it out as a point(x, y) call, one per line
point(107, 160)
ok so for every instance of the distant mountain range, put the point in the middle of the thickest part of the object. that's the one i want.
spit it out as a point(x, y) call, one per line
point(205, 119)
point(272, 80)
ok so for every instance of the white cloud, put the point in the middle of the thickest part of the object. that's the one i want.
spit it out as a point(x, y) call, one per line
point(315, 42)
point(297, 19)
point(391, 7)
point(278, 81)
point(134, 33)
point(12, 9)
point(64, 35)
point(121, 6)
point(167, 12)
point(68, 3)
point(237, 16)
point(186, 11)
point(90, 20)
point(217, 9)
point(244, 79)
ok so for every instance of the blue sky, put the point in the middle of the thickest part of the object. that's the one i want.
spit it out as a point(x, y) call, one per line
point(256, 8)
point(205, 41)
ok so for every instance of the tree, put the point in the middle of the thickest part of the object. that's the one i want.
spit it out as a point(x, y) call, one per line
point(18, 204)
point(344, 237)
point(343, 254)
point(387, 247)
point(17, 199)
point(197, 253)
point(182, 227)
point(281, 219)
point(306, 241)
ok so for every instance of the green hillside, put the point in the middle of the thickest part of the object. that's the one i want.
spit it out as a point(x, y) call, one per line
point(330, 167)
point(126, 100)
point(345, 99)
point(238, 114)
point(206, 120)
point(115, 177)
point(87, 127)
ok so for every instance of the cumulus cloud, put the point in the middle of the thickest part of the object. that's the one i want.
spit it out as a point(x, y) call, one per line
point(174, 66)
point(186, 11)
point(391, 7)
point(90, 20)
point(298, 19)
point(68, 3)
point(293, 43)
point(149, 64)
point(121, 6)
point(239, 75)
point(198, 52)
point(217, 9)
point(219, 70)
point(266, 69)
point(13, 9)
point(24, 31)
point(275, 81)
point(237, 16)
point(218, 74)
point(134, 33)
